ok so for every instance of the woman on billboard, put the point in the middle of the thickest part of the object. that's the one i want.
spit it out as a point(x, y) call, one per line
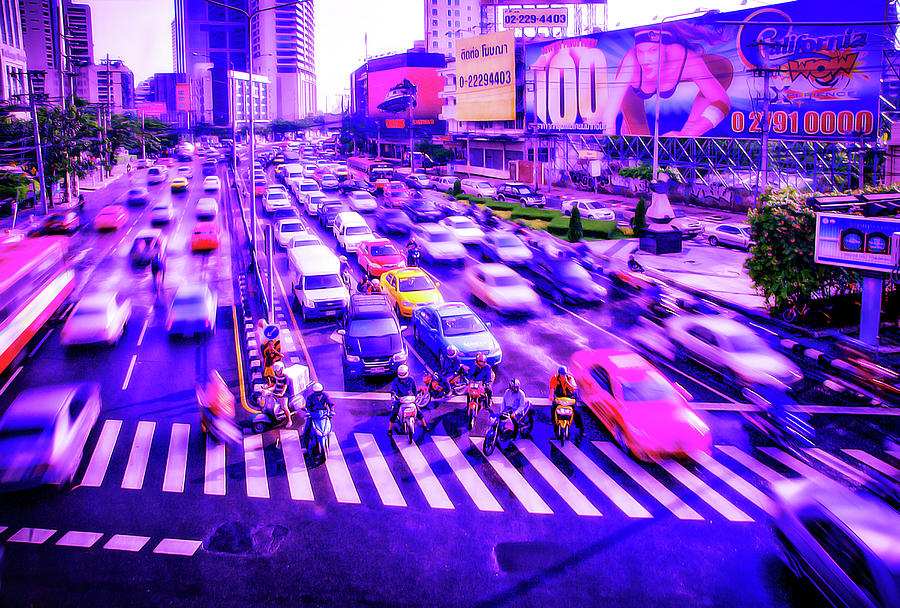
point(670, 57)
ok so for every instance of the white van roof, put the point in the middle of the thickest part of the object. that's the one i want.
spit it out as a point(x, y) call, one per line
point(314, 260)
point(350, 218)
point(296, 167)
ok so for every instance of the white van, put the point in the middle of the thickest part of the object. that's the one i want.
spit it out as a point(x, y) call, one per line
point(309, 169)
point(292, 172)
point(157, 174)
point(478, 187)
point(311, 201)
point(318, 288)
point(303, 185)
point(350, 229)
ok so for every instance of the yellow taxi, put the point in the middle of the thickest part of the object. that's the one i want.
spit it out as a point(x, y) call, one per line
point(179, 184)
point(279, 168)
point(410, 287)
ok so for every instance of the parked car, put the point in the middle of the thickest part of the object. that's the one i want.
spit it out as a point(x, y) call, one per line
point(422, 210)
point(463, 228)
point(505, 247)
point(689, 226)
point(646, 414)
point(192, 310)
point(734, 235)
point(111, 217)
point(205, 237)
point(589, 209)
point(43, 435)
point(520, 193)
point(392, 221)
point(408, 288)
point(502, 288)
point(418, 181)
point(98, 317)
point(372, 344)
point(162, 213)
point(211, 183)
point(138, 195)
point(437, 326)
point(478, 187)
point(207, 209)
point(377, 256)
point(147, 244)
point(438, 244)
point(362, 201)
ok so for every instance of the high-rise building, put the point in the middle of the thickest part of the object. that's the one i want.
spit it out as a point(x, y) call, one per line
point(449, 20)
point(12, 51)
point(79, 33)
point(284, 49)
point(107, 83)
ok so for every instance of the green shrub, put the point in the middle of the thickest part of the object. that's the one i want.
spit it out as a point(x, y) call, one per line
point(576, 232)
point(457, 188)
point(499, 205)
point(594, 229)
point(531, 213)
point(639, 221)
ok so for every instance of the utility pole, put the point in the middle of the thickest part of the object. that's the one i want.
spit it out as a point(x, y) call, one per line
point(143, 142)
point(39, 155)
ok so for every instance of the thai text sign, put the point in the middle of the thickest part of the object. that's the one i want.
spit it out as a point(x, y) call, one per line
point(486, 77)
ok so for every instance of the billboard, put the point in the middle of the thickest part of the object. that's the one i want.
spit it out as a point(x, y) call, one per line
point(853, 241)
point(824, 78)
point(396, 84)
point(486, 77)
point(183, 97)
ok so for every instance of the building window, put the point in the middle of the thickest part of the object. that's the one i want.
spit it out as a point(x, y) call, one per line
point(434, 44)
point(456, 13)
point(476, 157)
point(434, 22)
point(457, 24)
point(434, 33)
point(493, 159)
point(434, 11)
point(513, 155)
point(469, 20)
point(217, 39)
point(217, 13)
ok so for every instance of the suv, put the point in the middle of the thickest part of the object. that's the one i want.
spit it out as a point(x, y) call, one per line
point(372, 342)
point(521, 193)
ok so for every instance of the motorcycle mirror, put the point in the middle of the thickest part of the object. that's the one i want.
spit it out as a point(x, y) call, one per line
point(341, 332)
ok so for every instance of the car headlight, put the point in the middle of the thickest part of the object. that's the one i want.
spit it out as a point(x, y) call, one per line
point(351, 358)
point(399, 357)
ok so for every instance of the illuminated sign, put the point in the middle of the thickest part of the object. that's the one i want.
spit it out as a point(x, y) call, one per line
point(535, 17)
point(183, 97)
point(486, 77)
point(853, 241)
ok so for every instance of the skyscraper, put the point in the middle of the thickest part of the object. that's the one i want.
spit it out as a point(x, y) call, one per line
point(80, 35)
point(45, 46)
point(12, 51)
point(448, 20)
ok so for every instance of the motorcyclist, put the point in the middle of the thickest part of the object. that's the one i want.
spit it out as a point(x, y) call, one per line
point(403, 386)
point(450, 366)
point(482, 372)
point(374, 286)
point(219, 397)
point(516, 404)
point(317, 401)
point(413, 253)
point(562, 384)
point(281, 391)
point(345, 272)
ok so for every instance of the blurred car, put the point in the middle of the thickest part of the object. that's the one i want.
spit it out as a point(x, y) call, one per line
point(157, 174)
point(285, 230)
point(111, 217)
point(438, 244)
point(734, 235)
point(407, 288)
point(329, 181)
point(309, 169)
point(211, 183)
point(418, 181)
point(179, 184)
point(186, 171)
point(43, 435)
point(731, 349)
point(590, 210)
point(166, 161)
point(505, 247)
point(276, 198)
point(98, 317)
point(377, 256)
point(205, 237)
point(478, 187)
point(59, 222)
point(645, 413)
point(207, 209)
point(395, 194)
point(138, 195)
point(303, 239)
point(350, 229)
point(350, 185)
point(689, 226)
point(520, 193)
point(328, 210)
point(362, 201)
point(392, 221)
point(437, 326)
point(147, 244)
point(192, 310)
point(564, 280)
point(312, 201)
point(502, 289)
point(845, 541)
point(421, 210)
point(162, 213)
point(463, 228)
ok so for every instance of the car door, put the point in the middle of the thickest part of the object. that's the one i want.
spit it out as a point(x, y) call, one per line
point(431, 332)
point(705, 345)
point(391, 284)
point(603, 400)
point(728, 235)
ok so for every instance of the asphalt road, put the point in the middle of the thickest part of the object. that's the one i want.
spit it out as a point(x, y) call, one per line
point(162, 518)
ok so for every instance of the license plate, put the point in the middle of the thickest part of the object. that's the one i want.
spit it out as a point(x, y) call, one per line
point(378, 370)
point(330, 312)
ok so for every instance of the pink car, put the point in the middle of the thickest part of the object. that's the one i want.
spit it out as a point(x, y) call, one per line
point(646, 414)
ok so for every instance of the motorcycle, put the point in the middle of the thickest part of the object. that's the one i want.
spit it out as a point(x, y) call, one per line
point(779, 419)
point(221, 429)
point(414, 257)
point(321, 431)
point(267, 419)
point(634, 265)
point(506, 428)
point(562, 418)
point(408, 415)
point(476, 399)
point(432, 389)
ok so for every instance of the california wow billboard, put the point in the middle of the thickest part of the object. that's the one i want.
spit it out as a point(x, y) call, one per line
point(486, 77)
point(824, 79)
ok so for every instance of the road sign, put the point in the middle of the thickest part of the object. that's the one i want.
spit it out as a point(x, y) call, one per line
point(270, 332)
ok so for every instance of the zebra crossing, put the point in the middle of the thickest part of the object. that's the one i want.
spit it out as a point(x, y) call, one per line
point(590, 480)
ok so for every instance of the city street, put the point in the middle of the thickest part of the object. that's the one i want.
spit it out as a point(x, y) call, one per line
point(161, 516)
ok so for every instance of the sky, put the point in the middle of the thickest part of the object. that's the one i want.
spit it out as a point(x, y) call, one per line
point(139, 32)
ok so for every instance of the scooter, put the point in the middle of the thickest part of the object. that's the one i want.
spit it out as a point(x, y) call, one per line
point(432, 389)
point(506, 428)
point(321, 432)
point(408, 415)
point(634, 265)
point(780, 420)
point(476, 399)
point(267, 419)
point(414, 257)
point(220, 429)
point(562, 419)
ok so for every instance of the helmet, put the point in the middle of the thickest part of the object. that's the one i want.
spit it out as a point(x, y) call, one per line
point(562, 371)
point(343, 258)
point(480, 359)
point(375, 282)
point(318, 388)
point(402, 371)
point(514, 384)
point(278, 367)
point(451, 351)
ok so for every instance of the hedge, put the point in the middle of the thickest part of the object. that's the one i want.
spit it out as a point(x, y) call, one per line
point(596, 229)
point(531, 213)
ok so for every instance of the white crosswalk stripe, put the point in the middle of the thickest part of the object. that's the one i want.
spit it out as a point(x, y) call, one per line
point(514, 480)
point(650, 484)
point(797, 466)
point(434, 493)
point(751, 463)
point(214, 469)
point(604, 482)
point(344, 490)
point(557, 480)
point(387, 487)
point(255, 467)
point(140, 454)
point(466, 475)
point(706, 493)
point(295, 465)
point(835, 463)
point(96, 469)
point(738, 483)
point(176, 458)
point(876, 463)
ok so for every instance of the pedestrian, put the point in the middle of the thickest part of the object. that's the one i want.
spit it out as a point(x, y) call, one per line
point(80, 203)
point(158, 268)
point(128, 168)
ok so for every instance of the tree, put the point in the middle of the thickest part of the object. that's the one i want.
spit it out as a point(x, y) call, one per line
point(457, 188)
point(439, 154)
point(639, 221)
point(68, 136)
point(576, 232)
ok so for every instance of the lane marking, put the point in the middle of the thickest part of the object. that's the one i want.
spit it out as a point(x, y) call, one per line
point(255, 467)
point(514, 480)
point(385, 484)
point(876, 463)
point(84, 540)
point(466, 474)
point(339, 474)
point(770, 476)
point(434, 493)
point(214, 469)
point(11, 378)
point(838, 465)
point(295, 465)
point(130, 370)
point(177, 546)
point(737, 483)
point(96, 469)
point(140, 453)
point(176, 460)
point(126, 542)
point(32, 536)
point(650, 484)
point(143, 331)
point(41, 343)
point(557, 480)
point(606, 484)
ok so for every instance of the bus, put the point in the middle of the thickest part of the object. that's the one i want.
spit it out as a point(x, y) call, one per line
point(34, 282)
point(376, 171)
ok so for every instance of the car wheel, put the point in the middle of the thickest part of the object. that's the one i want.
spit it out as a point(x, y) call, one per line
point(713, 241)
point(501, 199)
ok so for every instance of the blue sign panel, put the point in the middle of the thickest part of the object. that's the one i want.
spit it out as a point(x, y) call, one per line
point(854, 241)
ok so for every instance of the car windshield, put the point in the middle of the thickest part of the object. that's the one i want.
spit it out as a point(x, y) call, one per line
point(507, 240)
point(505, 281)
point(379, 250)
point(308, 187)
point(594, 206)
point(161, 207)
point(276, 194)
point(90, 309)
point(463, 224)
point(422, 205)
point(746, 343)
point(648, 389)
point(524, 190)
point(458, 325)
point(482, 185)
point(292, 227)
point(136, 191)
point(416, 283)
point(322, 281)
point(357, 230)
point(439, 237)
point(371, 328)
point(679, 213)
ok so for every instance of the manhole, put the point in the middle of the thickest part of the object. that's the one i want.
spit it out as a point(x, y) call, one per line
point(237, 538)
point(527, 556)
